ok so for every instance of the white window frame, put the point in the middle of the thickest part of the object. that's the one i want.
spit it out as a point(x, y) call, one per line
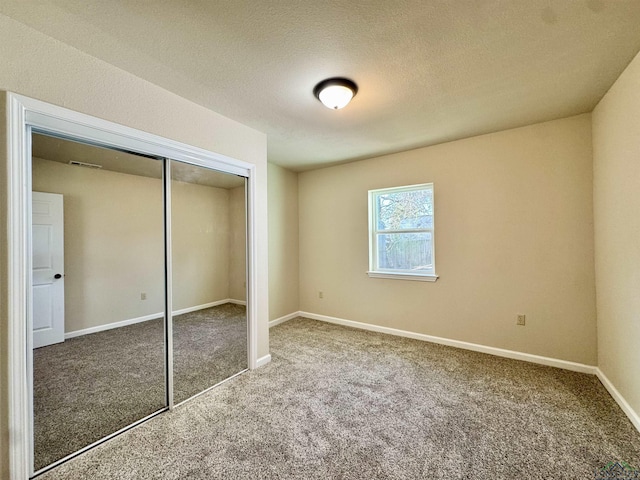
point(374, 270)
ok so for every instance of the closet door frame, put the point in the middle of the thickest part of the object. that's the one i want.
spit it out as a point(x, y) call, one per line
point(25, 115)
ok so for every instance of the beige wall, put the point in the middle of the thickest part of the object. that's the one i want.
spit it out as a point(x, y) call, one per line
point(200, 244)
point(283, 242)
point(616, 153)
point(514, 234)
point(114, 247)
point(40, 67)
point(237, 247)
point(113, 242)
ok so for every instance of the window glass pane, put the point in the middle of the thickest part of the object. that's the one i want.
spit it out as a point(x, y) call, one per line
point(405, 251)
point(405, 210)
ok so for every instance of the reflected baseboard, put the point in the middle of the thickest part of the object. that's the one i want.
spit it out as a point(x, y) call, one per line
point(110, 326)
point(182, 311)
point(146, 318)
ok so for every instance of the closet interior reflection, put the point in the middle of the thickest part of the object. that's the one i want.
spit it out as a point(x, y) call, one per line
point(107, 353)
point(208, 245)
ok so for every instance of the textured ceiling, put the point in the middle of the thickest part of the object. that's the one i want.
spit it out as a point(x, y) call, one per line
point(428, 71)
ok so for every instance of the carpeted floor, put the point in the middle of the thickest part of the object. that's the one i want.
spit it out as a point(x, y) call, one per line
point(341, 403)
point(209, 346)
point(94, 385)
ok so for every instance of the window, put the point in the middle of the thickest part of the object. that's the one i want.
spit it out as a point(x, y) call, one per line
point(401, 233)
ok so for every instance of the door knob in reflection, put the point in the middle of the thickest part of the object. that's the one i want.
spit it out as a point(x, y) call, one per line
point(57, 275)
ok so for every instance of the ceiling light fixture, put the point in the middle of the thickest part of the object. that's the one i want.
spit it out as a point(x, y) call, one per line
point(335, 93)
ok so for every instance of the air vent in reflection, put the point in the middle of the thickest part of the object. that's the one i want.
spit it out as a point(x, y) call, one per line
point(83, 164)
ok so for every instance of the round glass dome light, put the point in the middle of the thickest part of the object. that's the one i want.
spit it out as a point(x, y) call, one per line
point(335, 93)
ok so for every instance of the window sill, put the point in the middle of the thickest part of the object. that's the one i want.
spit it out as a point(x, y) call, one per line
point(420, 277)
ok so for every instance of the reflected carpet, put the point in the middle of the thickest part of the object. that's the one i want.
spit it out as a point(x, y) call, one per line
point(91, 386)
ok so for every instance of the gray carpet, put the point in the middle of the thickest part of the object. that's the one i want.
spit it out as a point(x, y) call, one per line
point(94, 385)
point(209, 346)
point(340, 403)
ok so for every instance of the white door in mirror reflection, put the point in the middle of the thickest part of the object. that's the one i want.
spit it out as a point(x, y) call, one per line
point(48, 269)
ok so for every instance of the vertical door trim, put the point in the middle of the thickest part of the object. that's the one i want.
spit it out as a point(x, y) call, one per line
point(252, 268)
point(20, 464)
point(168, 282)
point(29, 318)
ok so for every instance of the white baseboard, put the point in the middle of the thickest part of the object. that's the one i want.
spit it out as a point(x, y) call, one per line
point(263, 361)
point(613, 391)
point(237, 302)
point(145, 318)
point(527, 357)
point(109, 326)
point(201, 307)
point(633, 416)
point(283, 319)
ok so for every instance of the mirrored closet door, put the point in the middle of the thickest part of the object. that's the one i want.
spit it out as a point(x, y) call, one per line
point(208, 245)
point(138, 292)
point(97, 296)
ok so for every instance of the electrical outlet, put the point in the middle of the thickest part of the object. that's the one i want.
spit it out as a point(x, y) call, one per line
point(320, 294)
point(521, 320)
point(143, 296)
